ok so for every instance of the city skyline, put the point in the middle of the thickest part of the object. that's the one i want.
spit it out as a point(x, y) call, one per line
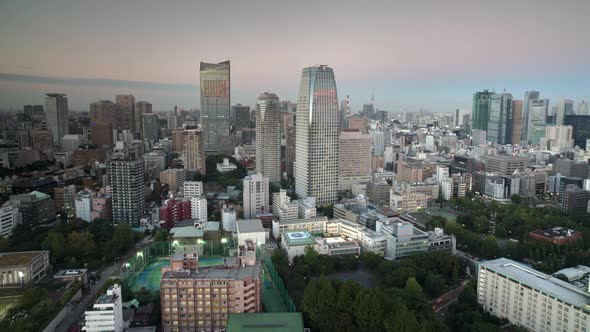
point(412, 56)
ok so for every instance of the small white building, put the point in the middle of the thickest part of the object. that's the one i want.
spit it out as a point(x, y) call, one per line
point(226, 166)
point(71, 142)
point(199, 210)
point(106, 313)
point(83, 204)
point(250, 229)
point(228, 219)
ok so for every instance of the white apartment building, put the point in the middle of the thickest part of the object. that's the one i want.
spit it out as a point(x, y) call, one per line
point(442, 173)
point(532, 299)
point(255, 195)
point(268, 136)
point(83, 204)
point(9, 217)
point(228, 219)
point(193, 189)
point(307, 208)
point(199, 210)
point(106, 313)
point(283, 208)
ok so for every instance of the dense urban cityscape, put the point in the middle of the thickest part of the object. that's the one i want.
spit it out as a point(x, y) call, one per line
point(322, 212)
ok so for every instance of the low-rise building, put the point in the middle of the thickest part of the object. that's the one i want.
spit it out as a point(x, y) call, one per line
point(403, 239)
point(557, 235)
point(20, 268)
point(250, 230)
point(106, 313)
point(225, 166)
point(9, 218)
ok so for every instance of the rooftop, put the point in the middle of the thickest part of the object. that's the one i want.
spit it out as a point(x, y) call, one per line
point(298, 238)
point(186, 232)
point(540, 281)
point(22, 258)
point(261, 322)
point(249, 226)
point(556, 232)
point(234, 273)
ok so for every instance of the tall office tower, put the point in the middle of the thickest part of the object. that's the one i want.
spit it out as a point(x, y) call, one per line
point(268, 136)
point(457, 118)
point(194, 150)
point(368, 110)
point(516, 121)
point(215, 103)
point(128, 194)
point(558, 137)
point(481, 110)
point(583, 108)
point(150, 127)
point(56, 105)
point(528, 96)
point(127, 112)
point(354, 165)
point(141, 108)
point(177, 140)
point(317, 134)
point(500, 119)
point(565, 106)
point(172, 121)
point(174, 178)
point(581, 125)
point(255, 195)
point(538, 109)
point(104, 117)
point(378, 138)
point(240, 115)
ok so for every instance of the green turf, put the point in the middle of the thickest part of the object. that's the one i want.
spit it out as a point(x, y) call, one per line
point(270, 296)
point(6, 303)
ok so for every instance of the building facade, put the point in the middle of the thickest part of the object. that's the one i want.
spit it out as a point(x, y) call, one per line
point(255, 195)
point(194, 150)
point(268, 136)
point(215, 103)
point(56, 106)
point(128, 193)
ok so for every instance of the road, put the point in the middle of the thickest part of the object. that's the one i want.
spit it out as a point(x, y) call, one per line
point(440, 304)
point(75, 315)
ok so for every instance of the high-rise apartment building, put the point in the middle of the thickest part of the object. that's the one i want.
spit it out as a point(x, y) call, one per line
point(268, 136)
point(194, 150)
point(56, 106)
point(127, 112)
point(481, 110)
point(174, 178)
point(354, 164)
point(517, 120)
point(128, 193)
point(199, 210)
point(528, 96)
point(255, 195)
point(215, 103)
point(317, 136)
point(537, 121)
point(532, 299)
point(500, 119)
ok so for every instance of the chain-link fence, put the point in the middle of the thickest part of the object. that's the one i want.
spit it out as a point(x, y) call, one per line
point(277, 281)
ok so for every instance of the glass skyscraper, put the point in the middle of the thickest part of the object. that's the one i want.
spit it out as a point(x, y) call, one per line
point(538, 109)
point(215, 103)
point(268, 136)
point(317, 131)
point(481, 110)
point(500, 119)
point(528, 96)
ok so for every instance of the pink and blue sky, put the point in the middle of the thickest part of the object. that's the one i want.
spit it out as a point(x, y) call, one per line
point(415, 54)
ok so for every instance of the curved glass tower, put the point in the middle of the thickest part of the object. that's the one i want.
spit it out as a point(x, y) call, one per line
point(316, 136)
point(268, 136)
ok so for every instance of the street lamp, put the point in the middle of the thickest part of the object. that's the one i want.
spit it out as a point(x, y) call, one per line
point(21, 275)
point(224, 242)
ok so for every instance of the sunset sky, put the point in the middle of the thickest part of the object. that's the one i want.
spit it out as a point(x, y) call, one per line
point(428, 54)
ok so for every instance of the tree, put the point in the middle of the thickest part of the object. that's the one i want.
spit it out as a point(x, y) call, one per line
point(434, 284)
point(403, 320)
point(161, 235)
point(55, 243)
point(123, 238)
point(81, 244)
point(516, 199)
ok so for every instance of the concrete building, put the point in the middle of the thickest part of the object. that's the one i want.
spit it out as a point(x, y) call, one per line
point(354, 159)
point(127, 190)
point(35, 208)
point(403, 239)
point(193, 189)
point(307, 207)
point(174, 178)
point(250, 230)
point(199, 210)
point(18, 269)
point(63, 197)
point(228, 219)
point(268, 136)
point(317, 136)
point(106, 313)
point(517, 121)
point(283, 208)
point(70, 143)
point(558, 138)
point(127, 115)
point(83, 205)
point(378, 192)
point(194, 150)
point(197, 298)
point(453, 187)
point(215, 103)
point(407, 202)
point(56, 107)
point(9, 218)
point(225, 166)
point(531, 299)
point(505, 165)
point(102, 207)
point(295, 242)
point(255, 195)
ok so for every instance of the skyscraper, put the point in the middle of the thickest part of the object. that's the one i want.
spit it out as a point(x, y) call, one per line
point(354, 158)
point(150, 127)
point(500, 119)
point(538, 109)
point(268, 136)
point(516, 121)
point(528, 96)
point(215, 103)
point(56, 105)
point(127, 112)
point(128, 194)
point(141, 108)
point(582, 108)
point(481, 110)
point(317, 133)
point(565, 106)
point(194, 150)
point(255, 195)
